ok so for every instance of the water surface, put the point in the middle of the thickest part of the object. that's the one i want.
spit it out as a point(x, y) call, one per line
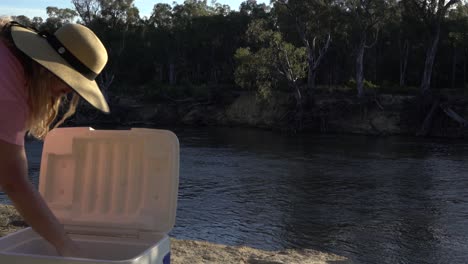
point(373, 200)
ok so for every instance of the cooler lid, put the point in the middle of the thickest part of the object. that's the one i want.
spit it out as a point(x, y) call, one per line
point(112, 179)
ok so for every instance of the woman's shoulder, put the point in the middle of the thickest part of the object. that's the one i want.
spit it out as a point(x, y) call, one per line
point(8, 54)
point(13, 105)
point(12, 75)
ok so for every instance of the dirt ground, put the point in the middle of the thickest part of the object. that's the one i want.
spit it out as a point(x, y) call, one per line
point(196, 252)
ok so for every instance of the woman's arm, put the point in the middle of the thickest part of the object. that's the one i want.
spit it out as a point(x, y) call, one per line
point(28, 201)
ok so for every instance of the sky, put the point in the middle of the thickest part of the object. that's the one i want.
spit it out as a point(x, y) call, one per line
point(32, 8)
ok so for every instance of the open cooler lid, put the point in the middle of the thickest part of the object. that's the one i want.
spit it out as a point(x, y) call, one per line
point(111, 179)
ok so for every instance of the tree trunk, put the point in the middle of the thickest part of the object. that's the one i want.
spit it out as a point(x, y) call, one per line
point(360, 67)
point(403, 63)
point(161, 73)
point(312, 64)
point(172, 77)
point(199, 76)
point(311, 81)
point(376, 63)
point(311, 75)
point(430, 57)
point(299, 115)
point(454, 67)
point(214, 75)
point(464, 69)
point(311, 72)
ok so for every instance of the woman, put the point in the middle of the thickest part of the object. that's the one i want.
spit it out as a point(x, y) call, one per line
point(37, 71)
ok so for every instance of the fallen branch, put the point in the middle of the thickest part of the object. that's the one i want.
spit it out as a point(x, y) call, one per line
point(378, 103)
point(452, 114)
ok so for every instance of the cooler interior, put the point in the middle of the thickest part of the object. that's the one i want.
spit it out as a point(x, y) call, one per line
point(94, 247)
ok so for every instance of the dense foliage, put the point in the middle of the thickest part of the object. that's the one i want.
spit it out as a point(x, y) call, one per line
point(196, 49)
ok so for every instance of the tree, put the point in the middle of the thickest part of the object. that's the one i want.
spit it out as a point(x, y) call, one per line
point(184, 13)
point(310, 19)
point(221, 9)
point(64, 15)
point(119, 13)
point(37, 22)
point(23, 20)
point(406, 23)
point(57, 17)
point(458, 38)
point(432, 13)
point(275, 63)
point(161, 16)
point(366, 18)
point(253, 9)
point(87, 9)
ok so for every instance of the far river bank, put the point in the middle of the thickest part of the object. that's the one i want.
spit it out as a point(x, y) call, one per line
point(331, 113)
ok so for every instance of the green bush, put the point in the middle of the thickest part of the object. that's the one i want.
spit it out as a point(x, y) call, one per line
point(351, 83)
point(367, 84)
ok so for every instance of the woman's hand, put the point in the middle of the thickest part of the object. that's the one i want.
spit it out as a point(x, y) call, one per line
point(70, 249)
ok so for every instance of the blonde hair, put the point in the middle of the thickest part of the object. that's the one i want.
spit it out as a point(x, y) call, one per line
point(43, 106)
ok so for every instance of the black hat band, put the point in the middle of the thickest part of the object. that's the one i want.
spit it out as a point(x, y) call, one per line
point(68, 56)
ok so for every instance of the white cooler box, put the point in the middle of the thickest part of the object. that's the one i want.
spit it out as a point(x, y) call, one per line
point(115, 192)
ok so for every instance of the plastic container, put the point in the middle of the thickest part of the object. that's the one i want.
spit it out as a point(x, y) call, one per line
point(115, 192)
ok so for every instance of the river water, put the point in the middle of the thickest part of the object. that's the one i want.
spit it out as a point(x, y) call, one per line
point(370, 199)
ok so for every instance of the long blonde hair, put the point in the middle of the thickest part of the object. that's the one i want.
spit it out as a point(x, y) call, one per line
point(43, 106)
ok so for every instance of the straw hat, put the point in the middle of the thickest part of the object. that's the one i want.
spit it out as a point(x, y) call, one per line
point(74, 54)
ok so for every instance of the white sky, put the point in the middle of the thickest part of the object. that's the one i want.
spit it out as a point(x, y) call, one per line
point(32, 8)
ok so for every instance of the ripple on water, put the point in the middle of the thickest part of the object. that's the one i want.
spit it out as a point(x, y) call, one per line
point(373, 200)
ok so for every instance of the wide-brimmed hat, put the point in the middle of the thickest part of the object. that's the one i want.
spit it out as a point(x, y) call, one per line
point(73, 53)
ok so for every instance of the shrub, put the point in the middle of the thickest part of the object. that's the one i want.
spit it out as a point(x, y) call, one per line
point(367, 84)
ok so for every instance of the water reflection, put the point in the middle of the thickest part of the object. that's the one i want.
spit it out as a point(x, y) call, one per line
point(373, 200)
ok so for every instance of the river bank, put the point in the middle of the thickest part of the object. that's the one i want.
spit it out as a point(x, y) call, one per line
point(343, 113)
point(198, 252)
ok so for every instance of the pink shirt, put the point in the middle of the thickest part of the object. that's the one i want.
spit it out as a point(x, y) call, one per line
point(13, 98)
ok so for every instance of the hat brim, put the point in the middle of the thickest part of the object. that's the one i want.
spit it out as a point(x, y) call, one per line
point(38, 49)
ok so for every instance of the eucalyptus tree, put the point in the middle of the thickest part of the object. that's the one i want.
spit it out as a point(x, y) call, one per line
point(114, 21)
point(183, 13)
point(270, 64)
point(409, 26)
point(119, 12)
point(254, 9)
point(221, 9)
point(181, 35)
point(311, 20)
point(114, 12)
point(431, 13)
point(366, 17)
point(458, 38)
point(37, 22)
point(58, 17)
point(22, 20)
point(161, 17)
point(87, 10)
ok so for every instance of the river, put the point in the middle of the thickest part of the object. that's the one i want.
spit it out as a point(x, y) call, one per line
point(370, 199)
